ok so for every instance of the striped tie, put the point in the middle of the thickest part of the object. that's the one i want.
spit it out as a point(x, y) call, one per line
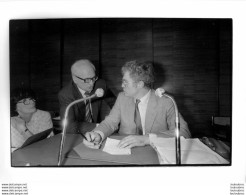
point(137, 119)
point(88, 114)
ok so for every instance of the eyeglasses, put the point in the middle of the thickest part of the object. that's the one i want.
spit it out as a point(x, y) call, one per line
point(88, 80)
point(124, 82)
point(27, 101)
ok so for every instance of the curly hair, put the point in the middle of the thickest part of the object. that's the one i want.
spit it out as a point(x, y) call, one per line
point(140, 71)
point(17, 95)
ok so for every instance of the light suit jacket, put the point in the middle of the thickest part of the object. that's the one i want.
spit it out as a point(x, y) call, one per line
point(160, 117)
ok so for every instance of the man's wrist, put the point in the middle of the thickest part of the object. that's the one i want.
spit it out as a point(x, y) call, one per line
point(146, 139)
point(100, 133)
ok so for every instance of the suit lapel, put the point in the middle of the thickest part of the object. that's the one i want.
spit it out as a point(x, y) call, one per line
point(81, 105)
point(94, 108)
point(150, 112)
point(94, 104)
point(129, 110)
point(130, 107)
point(77, 94)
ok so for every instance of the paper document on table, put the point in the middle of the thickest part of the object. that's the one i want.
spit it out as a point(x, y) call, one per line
point(111, 147)
point(193, 151)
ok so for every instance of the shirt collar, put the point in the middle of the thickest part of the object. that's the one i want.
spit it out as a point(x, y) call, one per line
point(145, 98)
point(82, 92)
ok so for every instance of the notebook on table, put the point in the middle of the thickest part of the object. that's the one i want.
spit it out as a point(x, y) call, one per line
point(37, 137)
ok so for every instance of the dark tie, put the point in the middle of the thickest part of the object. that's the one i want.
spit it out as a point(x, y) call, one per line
point(88, 114)
point(137, 119)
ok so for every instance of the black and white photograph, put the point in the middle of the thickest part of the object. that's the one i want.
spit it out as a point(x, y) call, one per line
point(121, 91)
point(97, 97)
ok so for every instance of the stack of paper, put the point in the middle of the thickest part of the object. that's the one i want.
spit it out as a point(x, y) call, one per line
point(111, 147)
point(193, 151)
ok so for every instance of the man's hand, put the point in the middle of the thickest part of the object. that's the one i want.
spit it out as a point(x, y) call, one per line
point(133, 141)
point(92, 140)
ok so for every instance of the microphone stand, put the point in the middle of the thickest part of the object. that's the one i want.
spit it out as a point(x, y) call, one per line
point(177, 130)
point(65, 125)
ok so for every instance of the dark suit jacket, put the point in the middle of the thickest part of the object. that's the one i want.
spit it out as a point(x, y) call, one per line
point(160, 118)
point(76, 115)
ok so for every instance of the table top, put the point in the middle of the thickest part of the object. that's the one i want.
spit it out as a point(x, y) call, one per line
point(45, 153)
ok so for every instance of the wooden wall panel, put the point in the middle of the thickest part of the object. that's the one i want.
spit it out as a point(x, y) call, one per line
point(185, 52)
point(81, 41)
point(192, 58)
point(123, 40)
point(19, 53)
point(225, 74)
point(45, 62)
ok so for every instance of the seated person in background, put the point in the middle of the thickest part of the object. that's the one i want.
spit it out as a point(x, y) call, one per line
point(83, 116)
point(26, 119)
point(155, 115)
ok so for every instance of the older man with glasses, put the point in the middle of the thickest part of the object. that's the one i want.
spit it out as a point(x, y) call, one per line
point(83, 116)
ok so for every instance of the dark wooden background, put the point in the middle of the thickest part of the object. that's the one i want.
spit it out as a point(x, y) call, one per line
point(192, 58)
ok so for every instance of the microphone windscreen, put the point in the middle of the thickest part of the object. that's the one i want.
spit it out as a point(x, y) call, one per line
point(159, 92)
point(99, 92)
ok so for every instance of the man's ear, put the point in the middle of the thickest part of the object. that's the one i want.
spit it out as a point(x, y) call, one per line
point(140, 84)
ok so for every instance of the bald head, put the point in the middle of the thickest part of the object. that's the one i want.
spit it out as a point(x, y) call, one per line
point(83, 68)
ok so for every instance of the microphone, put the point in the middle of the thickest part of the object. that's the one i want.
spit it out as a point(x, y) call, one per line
point(99, 93)
point(160, 92)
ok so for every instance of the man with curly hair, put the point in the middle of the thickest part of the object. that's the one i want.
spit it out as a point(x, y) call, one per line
point(138, 112)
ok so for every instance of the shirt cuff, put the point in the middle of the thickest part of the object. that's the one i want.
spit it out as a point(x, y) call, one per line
point(152, 137)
